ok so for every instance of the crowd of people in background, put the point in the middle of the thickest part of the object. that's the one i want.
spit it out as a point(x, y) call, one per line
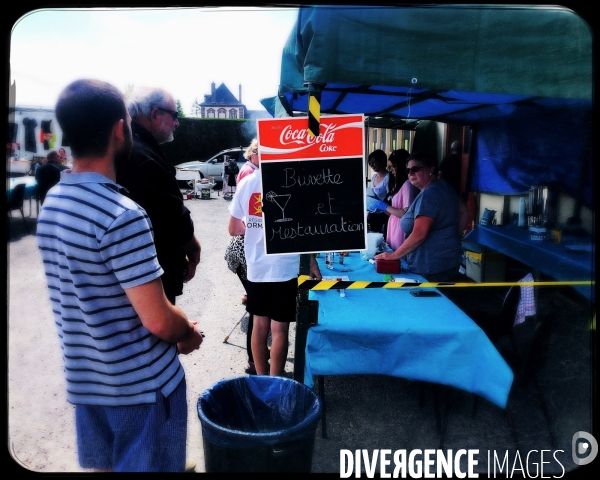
point(118, 244)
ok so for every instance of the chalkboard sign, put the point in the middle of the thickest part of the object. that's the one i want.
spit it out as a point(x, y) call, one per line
point(313, 189)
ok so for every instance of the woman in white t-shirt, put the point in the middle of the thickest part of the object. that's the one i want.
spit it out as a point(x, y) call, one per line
point(237, 264)
point(272, 279)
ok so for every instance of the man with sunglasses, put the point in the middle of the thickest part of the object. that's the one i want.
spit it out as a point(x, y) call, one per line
point(150, 180)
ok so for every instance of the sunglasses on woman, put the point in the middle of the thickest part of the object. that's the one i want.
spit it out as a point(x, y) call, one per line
point(413, 169)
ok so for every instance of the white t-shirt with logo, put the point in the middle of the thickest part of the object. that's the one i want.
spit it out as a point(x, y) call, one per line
point(247, 205)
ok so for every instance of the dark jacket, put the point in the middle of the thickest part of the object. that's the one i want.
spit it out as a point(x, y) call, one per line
point(151, 183)
point(451, 166)
point(46, 176)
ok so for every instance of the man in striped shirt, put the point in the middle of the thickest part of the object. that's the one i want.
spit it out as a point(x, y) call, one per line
point(119, 334)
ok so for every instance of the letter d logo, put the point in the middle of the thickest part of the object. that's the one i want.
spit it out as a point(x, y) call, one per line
point(583, 448)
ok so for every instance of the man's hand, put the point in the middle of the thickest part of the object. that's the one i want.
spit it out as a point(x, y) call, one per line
point(192, 250)
point(315, 271)
point(192, 341)
point(190, 269)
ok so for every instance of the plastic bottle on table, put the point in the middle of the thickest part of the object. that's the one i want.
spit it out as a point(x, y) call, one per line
point(329, 260)
point(341, 290)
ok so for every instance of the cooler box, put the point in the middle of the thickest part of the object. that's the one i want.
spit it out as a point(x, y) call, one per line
point(483, 264)
point(387, 266)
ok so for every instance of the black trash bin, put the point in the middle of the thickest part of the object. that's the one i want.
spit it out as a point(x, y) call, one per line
point(258, 424)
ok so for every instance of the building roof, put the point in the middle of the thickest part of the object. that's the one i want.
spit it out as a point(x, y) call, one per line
point(223, 96)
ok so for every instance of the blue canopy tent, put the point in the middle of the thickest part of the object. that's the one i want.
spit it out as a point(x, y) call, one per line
point(520, 77)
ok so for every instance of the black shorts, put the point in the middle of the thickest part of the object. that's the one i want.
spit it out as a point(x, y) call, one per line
point(276, 300)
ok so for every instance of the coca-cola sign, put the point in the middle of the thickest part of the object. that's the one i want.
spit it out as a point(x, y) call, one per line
point(313, 188)
point(340, 136)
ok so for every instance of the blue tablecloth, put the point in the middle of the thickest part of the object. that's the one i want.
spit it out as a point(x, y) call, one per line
point(390, 332)
point(30, 185)
point(552, 259)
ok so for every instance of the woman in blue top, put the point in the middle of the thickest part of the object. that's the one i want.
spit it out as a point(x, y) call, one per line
point(433, 224)
point(377, 221)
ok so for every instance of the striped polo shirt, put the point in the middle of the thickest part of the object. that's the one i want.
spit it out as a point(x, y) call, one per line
point(95, 242)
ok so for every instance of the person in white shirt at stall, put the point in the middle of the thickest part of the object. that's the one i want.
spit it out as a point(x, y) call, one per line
point(272, 284)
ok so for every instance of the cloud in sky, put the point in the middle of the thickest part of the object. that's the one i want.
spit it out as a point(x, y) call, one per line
point(180, 49)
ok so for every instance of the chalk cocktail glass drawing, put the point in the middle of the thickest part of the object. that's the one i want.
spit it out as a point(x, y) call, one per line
point(281, 201)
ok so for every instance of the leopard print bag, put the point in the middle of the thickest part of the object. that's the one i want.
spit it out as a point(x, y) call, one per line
point(234, 254)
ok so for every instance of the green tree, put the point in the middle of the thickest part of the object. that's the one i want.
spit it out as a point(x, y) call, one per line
point(196, 109)
point(179, 108)
point(128, 90)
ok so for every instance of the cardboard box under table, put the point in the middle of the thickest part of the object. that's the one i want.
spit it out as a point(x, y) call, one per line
point(484, 264)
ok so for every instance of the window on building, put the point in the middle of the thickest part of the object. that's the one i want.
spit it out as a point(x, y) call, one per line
point(222, 113)
point(232, 113)
point(210, 113)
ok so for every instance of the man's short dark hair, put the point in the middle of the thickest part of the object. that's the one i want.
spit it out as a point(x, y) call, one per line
point(53, 156)
point(87, 111)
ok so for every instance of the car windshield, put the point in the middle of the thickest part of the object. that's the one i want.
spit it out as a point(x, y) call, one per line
point(236, 154)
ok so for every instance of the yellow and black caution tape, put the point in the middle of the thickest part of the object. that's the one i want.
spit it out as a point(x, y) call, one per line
point(314, 114)
point(305, 283)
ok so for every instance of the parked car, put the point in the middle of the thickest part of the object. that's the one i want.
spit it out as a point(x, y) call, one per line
point(213, 167)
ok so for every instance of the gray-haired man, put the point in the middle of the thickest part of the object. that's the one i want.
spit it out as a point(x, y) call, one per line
point(150, 180)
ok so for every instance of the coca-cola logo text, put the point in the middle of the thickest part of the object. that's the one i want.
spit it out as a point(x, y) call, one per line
point(302, 137)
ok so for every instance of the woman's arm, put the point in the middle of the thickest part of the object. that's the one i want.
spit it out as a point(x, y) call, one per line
point(407, 195)
point(396, 212)
point(415, 239)
point(236, 226)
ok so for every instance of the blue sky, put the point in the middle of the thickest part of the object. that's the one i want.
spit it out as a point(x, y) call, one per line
point(180, 49)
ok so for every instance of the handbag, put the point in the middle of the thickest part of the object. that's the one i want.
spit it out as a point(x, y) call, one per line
point(234, 253)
